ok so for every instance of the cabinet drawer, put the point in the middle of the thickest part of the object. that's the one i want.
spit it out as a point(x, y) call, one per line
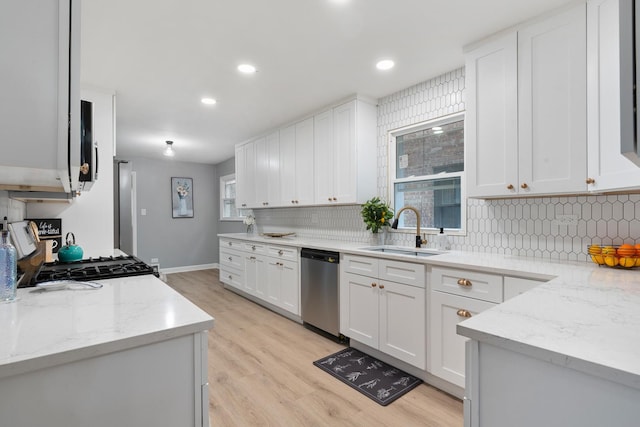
point(482, 286)
point(232, 259)
point(231, 244)
point(402, 272)
point(282, 252)
point(364, 266)
point(256, 248)
point(232, 277)
point(514, 286)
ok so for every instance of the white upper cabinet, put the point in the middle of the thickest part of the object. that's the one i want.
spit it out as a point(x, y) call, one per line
point(329, 158)
point(40, 103)
point(608, 169)
point(552, 104)
point(345, 153)
point(296, 164)
point(491, 134)
point(526, 110)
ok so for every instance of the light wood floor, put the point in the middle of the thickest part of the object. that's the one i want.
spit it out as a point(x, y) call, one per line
point(261, 372)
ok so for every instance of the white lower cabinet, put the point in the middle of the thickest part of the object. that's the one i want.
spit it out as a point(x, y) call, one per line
point(385, 315)
point(455, 296)
point(446, 353)
point(268, 272)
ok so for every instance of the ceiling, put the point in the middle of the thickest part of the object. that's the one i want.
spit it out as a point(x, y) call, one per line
point(162, 56)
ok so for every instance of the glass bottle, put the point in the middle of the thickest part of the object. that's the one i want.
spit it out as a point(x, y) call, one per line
point(8, 268)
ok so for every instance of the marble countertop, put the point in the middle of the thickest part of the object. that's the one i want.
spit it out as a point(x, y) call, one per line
point(584, 317)
point(50, 327)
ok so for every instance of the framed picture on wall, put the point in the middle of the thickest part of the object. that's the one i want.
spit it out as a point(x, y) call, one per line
point(182, 197)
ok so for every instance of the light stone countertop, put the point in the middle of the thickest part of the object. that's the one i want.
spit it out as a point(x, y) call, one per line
point(585, 317)
point(46, 328)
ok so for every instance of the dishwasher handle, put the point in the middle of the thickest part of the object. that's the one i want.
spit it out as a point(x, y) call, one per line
point(319, 255)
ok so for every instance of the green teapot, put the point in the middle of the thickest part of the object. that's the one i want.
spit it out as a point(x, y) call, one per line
point(70, 252)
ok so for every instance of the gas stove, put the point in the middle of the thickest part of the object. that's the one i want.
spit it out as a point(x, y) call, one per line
point(92, 269)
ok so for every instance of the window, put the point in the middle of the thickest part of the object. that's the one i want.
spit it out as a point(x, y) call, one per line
point(427, 171)
point(228, 209)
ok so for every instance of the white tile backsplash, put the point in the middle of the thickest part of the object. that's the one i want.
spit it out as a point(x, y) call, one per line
point(521, 227)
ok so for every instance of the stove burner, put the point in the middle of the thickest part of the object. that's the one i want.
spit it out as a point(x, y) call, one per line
point(92, 269)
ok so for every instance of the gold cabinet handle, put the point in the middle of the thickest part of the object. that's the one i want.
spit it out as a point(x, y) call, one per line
point(373, 285)
point(230, 278)
point(510, 187)
point(253, 247)
point(524, 186)
point(297, 202)
point(280, 252)
point(334, 199)
point(465, 282)
point(381, 286)
point(293, 201)
point(230, 259)
point(329, 199)
point(463, 313)
point(591, 181)
point(252, 257)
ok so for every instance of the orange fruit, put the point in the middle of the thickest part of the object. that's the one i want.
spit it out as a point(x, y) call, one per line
point(626, 250)
point(598, 259)
point(611, 260)
point(627, 262)
point(595, 249)
point(608, 250)
point(637, 246)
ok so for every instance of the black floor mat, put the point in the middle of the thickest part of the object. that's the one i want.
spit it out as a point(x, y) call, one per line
point(370, 376)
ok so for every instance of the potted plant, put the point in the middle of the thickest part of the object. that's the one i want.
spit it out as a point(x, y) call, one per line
point(377, 215)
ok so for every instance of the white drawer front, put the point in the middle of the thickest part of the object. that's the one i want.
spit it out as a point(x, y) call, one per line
point(514, 286)
point(255, 248)
point(282, 252)
point(360, 265)
point(232, 277)
point(482, 286)
point(403, 272)
point(233, 259)
point(231, 244)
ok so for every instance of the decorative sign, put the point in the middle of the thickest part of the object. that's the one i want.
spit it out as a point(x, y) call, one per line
point(182, 197)
point(50, 229)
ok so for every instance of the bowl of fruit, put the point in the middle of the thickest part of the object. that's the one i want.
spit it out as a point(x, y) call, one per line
point(622, 256)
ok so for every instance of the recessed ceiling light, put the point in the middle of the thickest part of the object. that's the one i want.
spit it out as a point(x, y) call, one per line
point(385, 64)
point(246, 68)
point(208, 101)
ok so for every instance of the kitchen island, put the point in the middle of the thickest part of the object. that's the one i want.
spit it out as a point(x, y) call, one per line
point(131, 353)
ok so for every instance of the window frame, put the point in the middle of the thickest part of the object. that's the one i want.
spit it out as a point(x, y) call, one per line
point(224, 180)
point(392, 180)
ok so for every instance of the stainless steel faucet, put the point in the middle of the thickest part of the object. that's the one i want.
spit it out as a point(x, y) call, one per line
point(419, 239)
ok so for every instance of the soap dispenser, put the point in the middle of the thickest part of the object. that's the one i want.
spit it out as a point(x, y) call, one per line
point(443, 241)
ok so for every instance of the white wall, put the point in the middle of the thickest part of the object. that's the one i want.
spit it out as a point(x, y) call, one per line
point(90, 216)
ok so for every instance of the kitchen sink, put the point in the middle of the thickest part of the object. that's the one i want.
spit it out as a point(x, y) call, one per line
point(399, 250)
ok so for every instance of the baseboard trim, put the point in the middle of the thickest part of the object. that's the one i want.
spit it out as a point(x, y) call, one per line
point(189, 268)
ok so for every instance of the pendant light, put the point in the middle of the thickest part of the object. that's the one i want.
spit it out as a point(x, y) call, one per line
point(169, 152)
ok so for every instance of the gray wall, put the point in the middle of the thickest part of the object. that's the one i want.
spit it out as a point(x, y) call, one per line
point(176, 242)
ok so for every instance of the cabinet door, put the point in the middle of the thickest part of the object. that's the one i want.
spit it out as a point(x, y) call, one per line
point(289, 287)
point(362, 308)
point(273, 170)
point(260, 286)
point(250, 274)
point(402, 322)
point(446, 347)
point(288, 166)
point(552, 104)
point(40, 107)
point(608, 168)
point(273, 281)
point(344, 155)
point(261, 179)
point(304, 179)
point(491, 134)
point(324, 155)
point(245, 176)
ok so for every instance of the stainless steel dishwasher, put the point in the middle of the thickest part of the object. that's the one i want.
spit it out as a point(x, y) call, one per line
point(319, 275)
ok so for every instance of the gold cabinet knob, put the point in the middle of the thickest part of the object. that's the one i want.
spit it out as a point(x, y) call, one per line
point(229, 243)
point(465, 282)
point(253, 247)
point(334, 199)
point(381, 286)
point(373, 285)
point(280, 252)
point(524, 186)
point(463, 313)
point(329, 199)
point(230, 259)
point(510, 187)
point(230, 277)
point(293, 201)
point(591, 181)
